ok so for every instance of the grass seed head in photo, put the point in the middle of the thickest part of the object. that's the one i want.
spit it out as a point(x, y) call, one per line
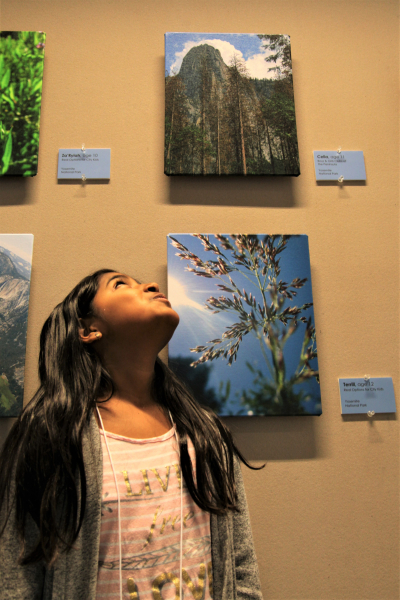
point(246, 309)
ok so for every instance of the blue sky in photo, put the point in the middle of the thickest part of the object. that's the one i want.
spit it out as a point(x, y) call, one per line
point(19, 243)
point(247, 46)
point(189, 292)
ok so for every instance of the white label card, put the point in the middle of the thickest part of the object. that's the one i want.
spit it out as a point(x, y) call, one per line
point(93, 163)
point(364, 395)
point(332, 166)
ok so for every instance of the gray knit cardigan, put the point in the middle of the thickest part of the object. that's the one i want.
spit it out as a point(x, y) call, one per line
point(74, 575)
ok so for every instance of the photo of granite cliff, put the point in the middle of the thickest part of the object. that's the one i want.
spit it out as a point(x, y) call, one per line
point(15, 272)
point(229, 105)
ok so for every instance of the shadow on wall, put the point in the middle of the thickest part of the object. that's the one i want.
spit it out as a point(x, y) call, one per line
point(16, 190)
point(230, 190)
point(275, 438)
point(289, 438)
point(341, 185)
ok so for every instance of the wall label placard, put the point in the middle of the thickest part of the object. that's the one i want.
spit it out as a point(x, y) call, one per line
point(331, 165)
point(358, 396)
point(93, 163)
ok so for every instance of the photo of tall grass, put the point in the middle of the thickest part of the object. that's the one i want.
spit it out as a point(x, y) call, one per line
point(229, 105)
point(15, 276)
point(246, 341)
point(21, 76)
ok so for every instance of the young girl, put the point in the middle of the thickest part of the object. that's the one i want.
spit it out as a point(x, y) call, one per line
point(114, 482)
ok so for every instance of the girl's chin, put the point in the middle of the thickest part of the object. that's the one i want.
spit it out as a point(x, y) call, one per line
point(175, 319)
point(174, 322)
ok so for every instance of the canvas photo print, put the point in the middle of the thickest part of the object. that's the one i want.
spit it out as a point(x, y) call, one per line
point(15, 276)
point(21, 76)
point(246, 342)
point(229, 105)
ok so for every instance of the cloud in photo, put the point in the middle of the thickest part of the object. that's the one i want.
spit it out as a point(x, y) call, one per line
point(256, 64)
point(259, 68)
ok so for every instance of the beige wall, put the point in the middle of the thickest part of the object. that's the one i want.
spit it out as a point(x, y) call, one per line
point(325, 510)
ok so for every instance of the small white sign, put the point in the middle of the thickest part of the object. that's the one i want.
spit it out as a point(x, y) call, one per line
point(93, 163)
point(330, 165)
point(366, 395)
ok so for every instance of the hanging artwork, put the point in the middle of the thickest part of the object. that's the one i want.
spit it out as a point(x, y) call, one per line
point(229, 105)
point(246, 342)
point(15, 275)
point(21, 75)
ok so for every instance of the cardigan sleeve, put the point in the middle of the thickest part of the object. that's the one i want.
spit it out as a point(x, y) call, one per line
point(19, 582)
point(247, 576)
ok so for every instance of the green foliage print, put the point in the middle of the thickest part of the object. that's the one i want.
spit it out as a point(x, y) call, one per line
point(21, 75)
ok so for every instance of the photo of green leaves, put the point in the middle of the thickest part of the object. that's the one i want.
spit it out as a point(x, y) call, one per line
point(229, 105)
point(246, 342)
point(15, 276)
point(21, 76)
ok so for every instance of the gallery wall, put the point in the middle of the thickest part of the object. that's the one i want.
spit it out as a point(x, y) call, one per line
point(324, 510)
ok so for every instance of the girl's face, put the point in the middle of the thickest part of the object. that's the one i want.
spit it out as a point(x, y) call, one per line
point(122, 305)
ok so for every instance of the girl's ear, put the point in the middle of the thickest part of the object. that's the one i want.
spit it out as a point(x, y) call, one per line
point(88, 333)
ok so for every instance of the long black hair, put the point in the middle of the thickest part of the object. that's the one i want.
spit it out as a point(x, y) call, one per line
point(41, 465)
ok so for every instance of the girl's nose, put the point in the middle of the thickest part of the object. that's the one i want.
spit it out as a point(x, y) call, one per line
point(152, 287)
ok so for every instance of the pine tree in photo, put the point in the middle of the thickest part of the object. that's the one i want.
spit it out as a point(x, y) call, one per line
point(220, 120)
